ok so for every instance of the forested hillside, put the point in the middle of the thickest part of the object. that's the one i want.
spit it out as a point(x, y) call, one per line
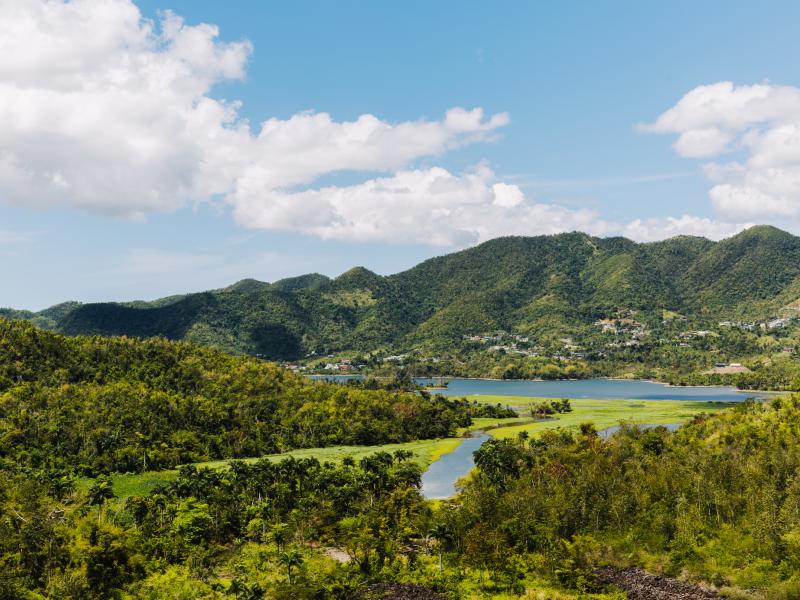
point(539, 286)
point(93, 405)
point(717, 501)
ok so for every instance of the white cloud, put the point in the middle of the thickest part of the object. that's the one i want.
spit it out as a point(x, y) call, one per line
point(103, 110)
point(760, 124)
point(107, 112)
point(649, 230)
point(427, 206)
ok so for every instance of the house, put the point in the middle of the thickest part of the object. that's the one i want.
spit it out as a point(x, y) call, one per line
point(779, 322)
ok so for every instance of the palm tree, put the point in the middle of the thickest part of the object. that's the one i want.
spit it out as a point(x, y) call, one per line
point(101, 490)
point(290, 559)
point(443, 536)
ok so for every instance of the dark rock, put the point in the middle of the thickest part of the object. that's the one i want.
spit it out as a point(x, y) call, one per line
point(641, 585)
point(398, 591)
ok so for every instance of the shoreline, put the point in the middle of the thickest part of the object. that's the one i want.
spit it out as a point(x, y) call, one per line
point(653, 381)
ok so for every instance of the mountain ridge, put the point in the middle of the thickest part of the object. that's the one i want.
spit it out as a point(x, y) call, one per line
point(549, 285)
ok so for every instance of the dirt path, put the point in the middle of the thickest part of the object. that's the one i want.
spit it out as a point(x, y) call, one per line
point(640, 585)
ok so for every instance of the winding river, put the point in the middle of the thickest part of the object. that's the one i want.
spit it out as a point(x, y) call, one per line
point(439, 481)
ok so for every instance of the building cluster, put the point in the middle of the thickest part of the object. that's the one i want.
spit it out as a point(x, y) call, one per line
point(498, 336)
point(767, 324)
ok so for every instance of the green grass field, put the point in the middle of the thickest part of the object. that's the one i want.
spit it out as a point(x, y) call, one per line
point(425, 452)
point(602, 413)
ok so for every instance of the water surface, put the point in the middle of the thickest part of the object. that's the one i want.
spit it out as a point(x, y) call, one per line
point(598, 389)
point(439, 481)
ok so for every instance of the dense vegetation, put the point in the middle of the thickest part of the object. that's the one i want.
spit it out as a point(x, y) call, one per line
point(719, 500)
point(716, 501)
point(117, 404)
point(257, 522)
point(545, 287)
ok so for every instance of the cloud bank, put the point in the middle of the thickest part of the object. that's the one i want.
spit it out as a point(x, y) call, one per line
point(104, 111)
point(750, 134)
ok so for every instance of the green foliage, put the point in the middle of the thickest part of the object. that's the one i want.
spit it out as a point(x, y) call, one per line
point(186, 540)
point(117, 404)
point(718, 499)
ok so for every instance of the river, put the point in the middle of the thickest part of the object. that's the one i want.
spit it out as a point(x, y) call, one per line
point(440, 479)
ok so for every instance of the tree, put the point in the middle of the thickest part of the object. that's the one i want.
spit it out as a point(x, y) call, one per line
point(444, 537)
point(498, 460)
point(280, 535)
point(100, 491)
point(291, 559)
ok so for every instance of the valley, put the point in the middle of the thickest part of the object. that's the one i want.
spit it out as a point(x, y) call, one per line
point(153, 464)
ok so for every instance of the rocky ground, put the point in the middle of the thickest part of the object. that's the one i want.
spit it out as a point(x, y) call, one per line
point(640, 585)
point(398, 591)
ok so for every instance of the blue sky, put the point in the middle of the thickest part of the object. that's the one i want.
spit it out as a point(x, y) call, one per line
point(576, 78)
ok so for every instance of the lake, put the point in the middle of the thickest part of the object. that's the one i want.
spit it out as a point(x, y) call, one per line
point(600, 389)
point(440, 479)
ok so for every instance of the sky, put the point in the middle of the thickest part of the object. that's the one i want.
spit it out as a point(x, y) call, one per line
point(169, 146)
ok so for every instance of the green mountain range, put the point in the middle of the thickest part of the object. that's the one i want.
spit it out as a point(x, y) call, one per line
point(535, 286)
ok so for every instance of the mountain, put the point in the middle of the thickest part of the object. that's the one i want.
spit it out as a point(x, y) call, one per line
point(543, 286)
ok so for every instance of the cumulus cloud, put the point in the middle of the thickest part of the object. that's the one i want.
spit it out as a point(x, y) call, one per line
point(758, 127)
point(108, 112)
point(103, 110)
point(430, 206)
point(649, 230)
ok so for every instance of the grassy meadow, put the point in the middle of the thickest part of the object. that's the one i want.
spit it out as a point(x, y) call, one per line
point(425, 452)
point(602, 413)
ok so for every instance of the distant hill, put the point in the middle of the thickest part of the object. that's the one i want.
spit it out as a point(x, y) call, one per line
point(540, 286)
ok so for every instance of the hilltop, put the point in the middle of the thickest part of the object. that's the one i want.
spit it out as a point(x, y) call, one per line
point(543, 287)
